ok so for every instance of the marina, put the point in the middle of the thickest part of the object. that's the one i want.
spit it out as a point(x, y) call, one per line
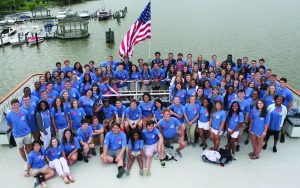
point(206, 34)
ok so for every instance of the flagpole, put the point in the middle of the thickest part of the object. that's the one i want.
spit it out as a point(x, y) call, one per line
point(149, 48)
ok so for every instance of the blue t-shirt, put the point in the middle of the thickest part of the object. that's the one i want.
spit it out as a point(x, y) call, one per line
point(76, 84)
point(73, 93)
point(87, 104)
point(76, 115)
point(36, 160)
point(108, 111)
point(54, 153)
point(19, 123)
point(219, 116)
point(52, 94)
point(121, 75)
point(68, 148)
point(181, 94)
point(235, 120)
point(259, 123)
point(85, 86)
point(133, 114)
point(230, 99)
point(95, 128)
point(169, 127)
point(244, 105)
point(135, 76)
point(146, 108)
point(192, 91)
point(207, 92)
point(287, 94)
point(115, 141)
point(191, 111)
point(104, 88)
point(276, 119)
point(46, 118)
point(32, 119)
point(157, 74)
point(204, 115)
point(120, 111)
point(151, 137)
point(84, 135)
point(158, 114)
point(138, 145)
point(178, 110)
point(59, 118)
point(269, 99)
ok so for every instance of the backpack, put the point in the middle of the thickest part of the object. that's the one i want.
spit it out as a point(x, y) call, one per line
point(224, 157)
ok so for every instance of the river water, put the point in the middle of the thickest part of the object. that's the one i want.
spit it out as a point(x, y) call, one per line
point(256, 28)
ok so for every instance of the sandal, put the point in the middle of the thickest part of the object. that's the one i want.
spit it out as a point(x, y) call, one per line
point(251, 154)
point(254, 157)
point(71, 178)
point(66, 180)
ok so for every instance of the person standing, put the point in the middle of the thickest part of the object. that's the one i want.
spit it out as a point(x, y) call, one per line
point(17, 120)
point(278, 114)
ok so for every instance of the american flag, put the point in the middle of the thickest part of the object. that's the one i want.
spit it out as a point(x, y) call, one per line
point(139, 31)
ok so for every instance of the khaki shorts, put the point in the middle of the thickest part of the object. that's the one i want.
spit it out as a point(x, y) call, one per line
point(33, 172)
point(24, 140)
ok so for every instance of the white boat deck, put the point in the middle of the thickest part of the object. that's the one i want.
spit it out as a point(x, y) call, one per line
point(271, 170)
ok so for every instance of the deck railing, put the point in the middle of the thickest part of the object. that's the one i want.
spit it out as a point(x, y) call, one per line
point(134, 91)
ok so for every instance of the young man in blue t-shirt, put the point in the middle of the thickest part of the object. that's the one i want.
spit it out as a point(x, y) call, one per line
point(168, 127)
point(17, 119)
point(114, 148)
point(85, 134)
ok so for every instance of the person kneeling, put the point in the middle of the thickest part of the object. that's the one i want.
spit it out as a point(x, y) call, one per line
point(114, 148)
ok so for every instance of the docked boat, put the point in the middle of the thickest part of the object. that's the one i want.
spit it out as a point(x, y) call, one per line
point(50, 29)
point(104, 14)
point(61, 15)
point(8, 31)
point(35, 40)
point(4, 41)
point(84, 14)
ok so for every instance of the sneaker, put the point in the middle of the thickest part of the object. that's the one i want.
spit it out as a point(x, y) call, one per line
point(121, 172)
point(127, 172)
point(265, 146)
point(274, 149)
point(233, 156)
point(204, 147)
point(202, 144)
point(94, 152)
point(179, 153)
point(101, 150)
point(86, 159)
point(141, 172)
point(35, 183)
point(162, 163)
point(237, 149)
point(247, 142)
point(282, 138)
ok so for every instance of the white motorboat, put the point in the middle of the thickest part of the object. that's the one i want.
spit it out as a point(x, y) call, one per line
point(84, 14)
point(104, 14)
point(8, 31)
point(4, 41)
point(61, 15)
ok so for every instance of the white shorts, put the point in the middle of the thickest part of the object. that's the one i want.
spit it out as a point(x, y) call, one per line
point(216, 131)
point(202, 125)
point(135, 153)
point(234, 134)
point(150, 149)
point(24, 140)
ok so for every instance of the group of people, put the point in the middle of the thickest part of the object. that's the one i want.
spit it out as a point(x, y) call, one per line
point(71, 109)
